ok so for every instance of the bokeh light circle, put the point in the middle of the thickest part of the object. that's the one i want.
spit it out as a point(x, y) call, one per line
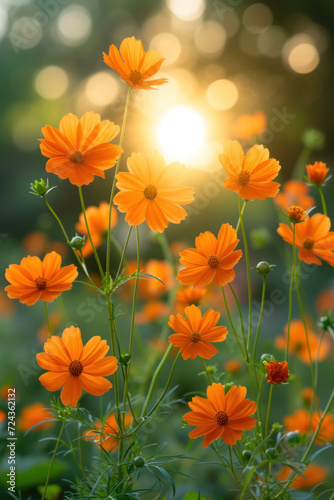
point(74, 25)
point(222, 94)
point(300, 54)
point(257, 18)
point(210, 38)
point(187, 10)
point(168, 45)
point(25, 33)
point(51, 82)
point(102, 88)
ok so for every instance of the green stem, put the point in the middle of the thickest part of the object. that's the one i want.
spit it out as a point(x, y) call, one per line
point(53, 459)
point(316, 364)
point(239, 220)
point(119, 270)
point(88, 232)
point(293, 269)
point(248, 276)
point(324, 208)
point(241, 320)
point(47, 319)
point(206, 371)
point(258, 405)
point(113, 348)
point(260, 319)
point(232, 325)
point(268, 410)
point(301, 162)
point(112, 192)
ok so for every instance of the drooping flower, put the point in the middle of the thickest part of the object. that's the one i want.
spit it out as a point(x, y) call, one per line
point(151, 191)
point(221, 416)
point(277, 372)
point(314, 475)
point(298, 344)
point(98, 220)
point(80, 149)
point(34, 279)
point(134, 65)
point(317, 173)
point(213, 259)
point(294, 193)
point(248, 126)
point(76, 367)
point(108, 438)
point(250, 175)
point(313, 239)
point(301, 421)
point(195, 334)
point(35, 414)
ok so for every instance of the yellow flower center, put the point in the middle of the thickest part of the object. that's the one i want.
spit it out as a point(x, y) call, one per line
point(135, 76)
point(308, 243)
point(213, 261)
point(195, 337)
point(77, 157)
point(222, 417)
point(40, 282)
point(243, 178)
point(75, 368)
point(150, 192)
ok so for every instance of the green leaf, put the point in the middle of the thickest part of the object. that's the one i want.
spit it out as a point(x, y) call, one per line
point(53, 491)
point(37, 474)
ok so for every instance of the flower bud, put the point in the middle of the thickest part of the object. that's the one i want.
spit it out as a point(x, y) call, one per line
point(265, 358)
point(139, 461)
point(271, 453)
point(294, 438)
point(246, 455)
point(40, 188)
point(264, 267)
point(125, 358)
point(314, 139)
point(77, 242)
point(326, 323)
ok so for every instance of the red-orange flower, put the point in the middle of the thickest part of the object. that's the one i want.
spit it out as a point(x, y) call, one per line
point(313, 239)
point(34, 279)
point(108, 438)
point(248, 126)
point(34, 414)
point(298, 344)
point(213, 259)
point(294, 193)
point(134, 65)
point(151, 191)
point(80, 149)
point(75, 366)
point(98, 220)
point(317, 172)
point(221, 416)
point(277, 372)
point(250, 175)
point(195, 333)
point(314, 475)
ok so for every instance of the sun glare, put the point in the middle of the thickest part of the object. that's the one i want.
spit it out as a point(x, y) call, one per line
point(181, 134)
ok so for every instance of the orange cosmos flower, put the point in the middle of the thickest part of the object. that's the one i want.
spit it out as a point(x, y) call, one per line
point(134, 65)
point(300, 421)
point(150, 191)
point(221, 416)
point(80, 149)
point(233, 366)
point(314, 475)
point(248, 126)
point(250, 175)
point(213, 259)
point(277, 372)
point(317, 172)
point(37, 243)
point(326, 432)
point(294, 193)
point(296, 214)
point(98, 220)
point(108, 437)
point(34, 414)
point(75, 366)
point(152, 311)
point(188, 296)
point(298, 345)
point(34, 279)
point(195, 334)
point(325, 301)
point(312, 238)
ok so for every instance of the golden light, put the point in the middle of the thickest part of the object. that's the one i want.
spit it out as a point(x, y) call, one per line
point(222, 94)
point(51, 82)
point(187, 10)
point(102, 88)
point(181, 134)
point(74, 25)
point(210, 38)
point(301, 54)
point(168, 45)
point(257, 18)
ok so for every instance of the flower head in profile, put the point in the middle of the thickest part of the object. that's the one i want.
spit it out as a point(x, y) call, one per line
point(213, 259)
point(134, 65)
point(221, 415)
point(108, 437)
point(314, 475)
point(277, 372)
point(298, 344)
point(80, 149)
point(250, 175)
point(150, 191)
point(98, 219)
point(294, 193)
point(248, 126)
point(317, 172)
point(313, 239)
point(75, 367)
point(34, 279)
point(34, 414)
point(195, 334)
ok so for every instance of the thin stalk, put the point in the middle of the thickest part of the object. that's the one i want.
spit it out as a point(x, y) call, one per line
point(88, 232)
point(47, 319)
point(301, 162)
point(53, 459)
point(119, 270)
point(248, 276)
point(232, 325)
point(113, 187)
point(324, 208)
point(113, 348)
point(260, 319)
point(239, 220)
point(268, 410)
point(241, 319)
point(316, 364)
point(258, 405)
point(206, 371)
point(293, 269)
